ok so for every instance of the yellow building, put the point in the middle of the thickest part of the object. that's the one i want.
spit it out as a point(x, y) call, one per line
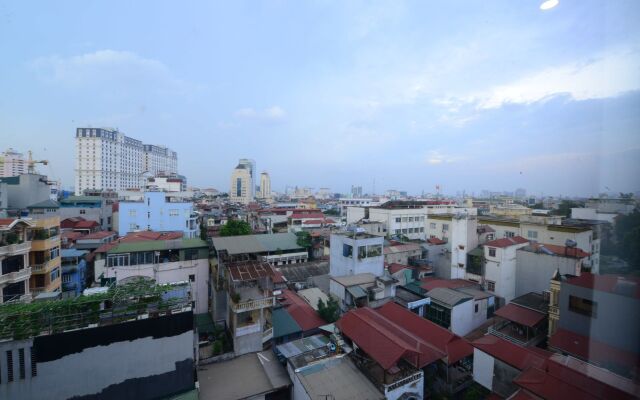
point(44, 256)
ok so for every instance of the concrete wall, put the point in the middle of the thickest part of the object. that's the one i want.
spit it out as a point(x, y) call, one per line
point(462, 318)
point(156, 214)
point(464, 238)
point(501, 269)
point(534, 270)
point(169, 272)
point(617, 322)
point(354, 214)
point(342, 266)
point(31, 189)
point(483, 368)
point(141, 359)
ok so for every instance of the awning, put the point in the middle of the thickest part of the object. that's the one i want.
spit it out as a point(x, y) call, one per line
point(477, 252)
point(520, 315)
point(356, 291)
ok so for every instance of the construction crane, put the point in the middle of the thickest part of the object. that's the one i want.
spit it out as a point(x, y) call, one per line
point(31, 164)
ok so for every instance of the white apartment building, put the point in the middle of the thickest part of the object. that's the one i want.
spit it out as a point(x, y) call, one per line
point(500, 266)
point(250, 165)
point(12, 163)
point(241, 184)
point(107, 159)
point(265, 186)
point(160, 160)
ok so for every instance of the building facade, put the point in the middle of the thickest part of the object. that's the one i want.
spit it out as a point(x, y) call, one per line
point(15, 244)
point(241, 185)
point(107, 159)
point(265, 186)
point(12, 163)
point(44, 257)
point(157, 213)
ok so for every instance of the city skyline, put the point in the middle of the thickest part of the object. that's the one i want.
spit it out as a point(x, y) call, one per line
point(337, 94)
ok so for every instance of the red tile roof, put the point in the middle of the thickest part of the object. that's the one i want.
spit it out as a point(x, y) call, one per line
point(392, 332)
point(520, 315)
point(329, 221)
point(618, 284)
point(436, 241)
point(301, 311)
point(98, 235)
point(563, 378)
point(562, 250)
point(395, 267)
point(6, 221)
point(591, 350)
point(432, 283)
point(507, 242)
point(85, 224)
point(522, 394)
point(70, 235)
point(313, 222)
point(314, 215)
point(517, 356)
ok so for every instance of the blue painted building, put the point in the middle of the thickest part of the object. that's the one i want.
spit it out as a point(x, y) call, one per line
point(74, 272)
point(157, 212)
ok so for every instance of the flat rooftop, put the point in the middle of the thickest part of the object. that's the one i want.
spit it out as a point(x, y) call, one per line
point(267, 243)
point(245, 376)
point(337, 377)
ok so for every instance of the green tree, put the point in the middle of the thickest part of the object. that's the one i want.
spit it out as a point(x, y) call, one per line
point(564, 209)
point(330, 312)
point(304, 240)
point(235, 227)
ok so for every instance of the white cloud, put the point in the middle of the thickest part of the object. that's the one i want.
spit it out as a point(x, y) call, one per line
point(106, 68)
point(435, 157)
point(273, 113)
point(609, 75)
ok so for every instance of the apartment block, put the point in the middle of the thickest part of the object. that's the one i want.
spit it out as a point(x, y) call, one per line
point(107, 159)
point(15, 245)
point(44, 257)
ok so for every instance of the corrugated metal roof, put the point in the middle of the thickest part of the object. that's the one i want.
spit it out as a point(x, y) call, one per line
point(357, 292)
point(448, 296)
point(283, 323)
point(304, 345)
point(256, 243)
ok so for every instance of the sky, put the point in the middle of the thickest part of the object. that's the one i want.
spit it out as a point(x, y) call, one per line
point(406, 95)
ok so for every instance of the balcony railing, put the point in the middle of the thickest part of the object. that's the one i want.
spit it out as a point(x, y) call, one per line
point(247, 330)
point(15, 248)
point(12, 277)
point(38, 268)
point(267, 335)
point(253, 305)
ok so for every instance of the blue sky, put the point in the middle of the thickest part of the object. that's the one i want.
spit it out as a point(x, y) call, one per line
point(470, 95)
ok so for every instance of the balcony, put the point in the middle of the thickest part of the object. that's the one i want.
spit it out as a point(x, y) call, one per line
point(15, 249)
point(267, 335)
point(44, 267)
point(248, 329)
point(253, 305)
point(13, 277)
point(45, 244)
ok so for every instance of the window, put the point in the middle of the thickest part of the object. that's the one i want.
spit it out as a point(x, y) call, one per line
point(132, 213)
point(477, 307)
point(21, 363)
point(421, 230)
point(83, 211)
point(445, 227)
point(532, 234)
point(374, 250)
point(583, 306)
point(398, 231)
point(9, 366)
point(404, 231)
point(55, 274)
point(133, 227)
point(192, 278)
point(362, 252)
point(347, 250)
point(410, 219)
point(509, 234)
point(174, 212)
point(492, 252)
point(54, 253)
point(398, 219)
point(191, 254)
point(34, 366)
point(491, 286)
point(490, 236)
point(432, 225)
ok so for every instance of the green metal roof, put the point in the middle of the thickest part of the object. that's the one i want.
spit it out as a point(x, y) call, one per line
point(153, 245)
point(257, 243)
point(477, 252)
point(283, 323)
point(81, 199)
point(46, 204)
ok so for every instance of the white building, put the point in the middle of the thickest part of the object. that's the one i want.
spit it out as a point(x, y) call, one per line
point(356, 253)
point(165, 261)
point(464, 238)
point(107, 159)
point(241, 185)
point(167, 183)
point(160, 160)
point(265, 186)
point(250, 165)
point(12, 163)
point(500, 266)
